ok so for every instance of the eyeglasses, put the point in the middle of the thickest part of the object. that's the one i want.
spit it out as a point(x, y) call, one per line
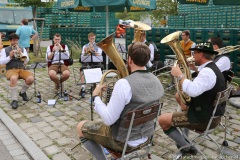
point(195, 52)
point(183, 35)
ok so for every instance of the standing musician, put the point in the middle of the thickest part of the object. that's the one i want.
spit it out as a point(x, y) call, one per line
point(57, 66)
point(90, 49)
point(14, 57)
point(137, 91)
point(186, 43)
point(143, 40)
point(202, 90)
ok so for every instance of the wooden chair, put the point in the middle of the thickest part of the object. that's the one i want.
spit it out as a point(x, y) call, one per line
point(220, 98)
point(135, 118)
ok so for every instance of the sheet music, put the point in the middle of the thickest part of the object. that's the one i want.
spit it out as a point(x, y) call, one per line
point(64, 56)
point(92, 75)
point(94, 58)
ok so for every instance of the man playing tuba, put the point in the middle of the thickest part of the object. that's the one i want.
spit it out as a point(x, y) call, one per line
point(15, 69)
point(127, 95)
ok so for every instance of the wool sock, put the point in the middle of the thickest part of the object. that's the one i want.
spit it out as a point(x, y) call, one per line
point(13, 91)
point(24, 88)
point(175, 135)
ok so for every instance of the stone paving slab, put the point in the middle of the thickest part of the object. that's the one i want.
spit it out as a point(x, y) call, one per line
point(53, 129)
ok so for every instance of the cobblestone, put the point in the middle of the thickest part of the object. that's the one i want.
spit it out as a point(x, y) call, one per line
point(53, 129)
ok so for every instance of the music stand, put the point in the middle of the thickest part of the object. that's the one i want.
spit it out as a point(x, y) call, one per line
point(89, 59)
point(34, 66)
point(92, 76)
point(60, 56)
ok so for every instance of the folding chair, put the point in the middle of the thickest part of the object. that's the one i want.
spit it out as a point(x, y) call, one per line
point(135, 118)
point(220, 98)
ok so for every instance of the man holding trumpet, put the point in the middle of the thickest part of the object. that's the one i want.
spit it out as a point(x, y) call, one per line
point(57, 66)
point(14, 57)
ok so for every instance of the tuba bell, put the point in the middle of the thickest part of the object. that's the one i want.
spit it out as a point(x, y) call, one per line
point(108, 46)
point(139, 30)
point(18, 53)
point(173, 41)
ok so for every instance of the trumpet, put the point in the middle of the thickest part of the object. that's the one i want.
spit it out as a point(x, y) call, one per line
point(220, 51)
point(89, 50)
point(59, 47)
point(18, 53)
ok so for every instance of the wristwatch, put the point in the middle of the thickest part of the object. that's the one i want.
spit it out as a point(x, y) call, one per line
point(93, 97)
point(180, 77)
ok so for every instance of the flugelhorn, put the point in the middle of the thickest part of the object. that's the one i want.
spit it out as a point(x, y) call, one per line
point(59, 47)
point(220, 51)
point(18, 53)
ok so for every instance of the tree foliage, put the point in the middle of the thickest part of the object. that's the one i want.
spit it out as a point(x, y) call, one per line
point(129, 15)
point(164, 8)
point(34, 4)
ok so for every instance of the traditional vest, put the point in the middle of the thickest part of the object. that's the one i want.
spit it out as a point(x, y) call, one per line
point(146, 91)
point(94, 46)
point(201, 107)
point(225, 73)
point(186, 47)
point(14, 62)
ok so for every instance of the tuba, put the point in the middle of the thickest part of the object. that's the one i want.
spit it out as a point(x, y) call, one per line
point(18, 53)
point(173, 41)
point(139, 30)
point(108, 46)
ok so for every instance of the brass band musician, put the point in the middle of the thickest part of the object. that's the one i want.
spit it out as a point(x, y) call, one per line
point(202, 91)
point(138, 90)
point(57, 66)
point(90, 49)
point(14, 57)
point(186, 43)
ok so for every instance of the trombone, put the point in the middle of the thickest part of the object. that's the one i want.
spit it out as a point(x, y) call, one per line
point(220, 51)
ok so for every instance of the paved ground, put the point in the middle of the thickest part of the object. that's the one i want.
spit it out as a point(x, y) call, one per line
point(53, 129)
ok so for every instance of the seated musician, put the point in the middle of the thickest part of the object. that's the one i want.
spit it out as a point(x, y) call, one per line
point(139, 90)
point(202, 90)
point(222, 61)
point(57, 66)
point(14, 57)
point(186, 43)
point(90, 49)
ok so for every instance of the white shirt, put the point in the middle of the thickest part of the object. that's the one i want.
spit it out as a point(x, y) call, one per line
point(223, 63)
point(99, 50)
point(205, 81)
point(48, 52)
point(5, 59)
point(149, 64)
point(121, 96)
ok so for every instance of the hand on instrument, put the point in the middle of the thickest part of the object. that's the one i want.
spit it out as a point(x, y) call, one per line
point(193, 67)
point(98, 89)
point(12, 54)
point(176, 72)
